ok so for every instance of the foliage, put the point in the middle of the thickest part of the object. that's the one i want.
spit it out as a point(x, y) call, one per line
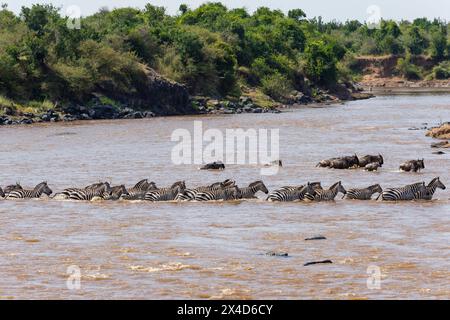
point(211, 49)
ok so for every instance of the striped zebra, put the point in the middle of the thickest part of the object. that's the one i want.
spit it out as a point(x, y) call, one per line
point(250, 191)
point(12, 187)
point(230, 193)
point(363, 194)
point(428, 192)
point(65, 194)
point(404, 193)
point(139, 190)
point(101, 191)
point(165, 194)
point(190, 194)
point(326, 195)
point(37, 192)
point(291, 193)
point(115, 193)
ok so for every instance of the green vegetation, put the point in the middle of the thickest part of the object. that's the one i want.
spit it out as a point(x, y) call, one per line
point(213, 50)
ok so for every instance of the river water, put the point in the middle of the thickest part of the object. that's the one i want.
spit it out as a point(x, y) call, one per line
point(216, 250)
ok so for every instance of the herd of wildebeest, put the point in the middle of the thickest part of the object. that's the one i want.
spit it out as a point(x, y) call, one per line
point(228, 190)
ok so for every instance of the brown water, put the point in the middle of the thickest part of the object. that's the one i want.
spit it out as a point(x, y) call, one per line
point(215, 250)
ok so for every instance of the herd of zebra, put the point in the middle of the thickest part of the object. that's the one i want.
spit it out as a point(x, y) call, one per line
point(224, 190)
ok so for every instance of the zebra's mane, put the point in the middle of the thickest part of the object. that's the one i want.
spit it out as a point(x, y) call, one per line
point(433, 181)
point(40, 186)
point(176, 184)
point(255, 183)
point(140, 183)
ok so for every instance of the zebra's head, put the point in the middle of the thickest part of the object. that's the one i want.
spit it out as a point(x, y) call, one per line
point(339, 187)
point(13, 187)
point(376, 188)
point(43, 188)
point(228, 183)
point(117, 191)
point(152, 186)
point(316, 185)
point(260, 186)
point(236, 192)
point(436, 182)
point(181, 184)
point(309, 188)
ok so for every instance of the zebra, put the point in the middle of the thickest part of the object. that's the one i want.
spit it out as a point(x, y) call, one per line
point(139, 190)
point(165, 194)
point(190, 194)
point(428, 192)
point(363, 194)
point(102, 191)
point(231, 193)
point(2, 194)
point(65, 194)
point(403, 193)
point(326, 195)
point(249, 192)
point(115, 193)
point(37, 192)
point(292, 193)
point(12, 187)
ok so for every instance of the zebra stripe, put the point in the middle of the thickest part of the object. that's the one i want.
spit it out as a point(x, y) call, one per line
point(404, 193)
point(190, 194)
point(139, 190)
point(290, 193)
point(89, 193)
point(231, 193)
point(249, 192)
point(164, 194)
point(428, 192)
point(40, 189)
point(363, 194)
point(326, 195)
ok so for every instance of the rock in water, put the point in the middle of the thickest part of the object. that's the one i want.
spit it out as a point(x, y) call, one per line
point(317, 262)
point(276, 254)
point(316, 238)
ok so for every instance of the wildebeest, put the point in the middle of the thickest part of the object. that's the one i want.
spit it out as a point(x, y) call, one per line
point(367, 159)
point(340, 163)
point(216, 165)
point(373, 166)
point(412, 165)
point(345, 162)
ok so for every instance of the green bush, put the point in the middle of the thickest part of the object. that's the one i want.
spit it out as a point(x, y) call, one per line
point(408, 70)
point(276, 86)
point(442, 71)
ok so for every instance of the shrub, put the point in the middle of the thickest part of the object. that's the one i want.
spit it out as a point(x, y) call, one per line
point(276, 86)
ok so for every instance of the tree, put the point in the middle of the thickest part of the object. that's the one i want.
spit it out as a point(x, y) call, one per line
point(296, 14)
point(416, 41)
point(183, 8)
point(320, 63)
point(438, 44)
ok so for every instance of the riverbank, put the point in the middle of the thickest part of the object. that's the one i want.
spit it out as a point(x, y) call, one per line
point(252, 101)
